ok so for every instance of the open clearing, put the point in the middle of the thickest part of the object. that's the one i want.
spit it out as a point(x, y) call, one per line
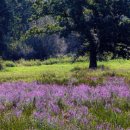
point(31, 73)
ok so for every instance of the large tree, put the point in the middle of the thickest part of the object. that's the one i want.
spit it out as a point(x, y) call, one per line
point(100, 23)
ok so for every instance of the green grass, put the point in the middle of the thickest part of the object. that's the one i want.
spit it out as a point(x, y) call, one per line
point(23, 123)
point(66, 72)
point(109, 115)
point(31, 73)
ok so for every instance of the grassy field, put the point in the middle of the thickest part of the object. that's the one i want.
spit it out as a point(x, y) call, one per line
point(65, 71)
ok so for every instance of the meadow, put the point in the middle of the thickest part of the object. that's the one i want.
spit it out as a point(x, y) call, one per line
point(58, 94)
point(58, 70)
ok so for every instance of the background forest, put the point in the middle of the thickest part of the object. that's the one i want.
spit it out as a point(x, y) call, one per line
point(28, 30)
point(15, 16)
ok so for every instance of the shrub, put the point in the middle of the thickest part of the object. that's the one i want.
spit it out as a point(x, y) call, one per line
point(9, 64)
point(23, 62)
point(106, 56)
point(63, 59)
point(82, 59)
point(1, 64)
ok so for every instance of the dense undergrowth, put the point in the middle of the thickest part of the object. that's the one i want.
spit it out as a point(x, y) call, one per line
point(50, 61)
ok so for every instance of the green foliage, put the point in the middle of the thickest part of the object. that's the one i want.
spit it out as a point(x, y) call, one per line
point(106, 56)
point(63, 59)
point(102, 24)
point(1, 65)
point(34, 29)
point(9, 64)
point(23, 62)
point(49, 61)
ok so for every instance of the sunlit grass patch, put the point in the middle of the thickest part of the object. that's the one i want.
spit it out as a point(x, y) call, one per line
point(68, 73)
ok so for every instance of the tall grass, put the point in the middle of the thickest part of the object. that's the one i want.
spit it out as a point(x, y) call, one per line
point(65, 73)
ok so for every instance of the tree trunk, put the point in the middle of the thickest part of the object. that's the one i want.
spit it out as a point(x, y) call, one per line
point(93, 57)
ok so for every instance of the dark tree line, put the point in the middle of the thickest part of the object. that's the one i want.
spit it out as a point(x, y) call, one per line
point(44, 28)
point(14, 46)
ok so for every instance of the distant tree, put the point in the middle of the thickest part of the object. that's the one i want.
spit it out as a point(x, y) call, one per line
point(100, 25)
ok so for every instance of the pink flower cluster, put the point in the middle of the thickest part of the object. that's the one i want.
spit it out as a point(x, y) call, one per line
point(55, 103)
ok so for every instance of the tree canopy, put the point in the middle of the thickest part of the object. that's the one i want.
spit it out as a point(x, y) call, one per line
point(103, 24)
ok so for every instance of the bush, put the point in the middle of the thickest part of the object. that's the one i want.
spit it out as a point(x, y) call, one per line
point(63, 59)
point(82, 58)
point(106, 56)
point(23, 62)
point(9, 64)
point(1, 64)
